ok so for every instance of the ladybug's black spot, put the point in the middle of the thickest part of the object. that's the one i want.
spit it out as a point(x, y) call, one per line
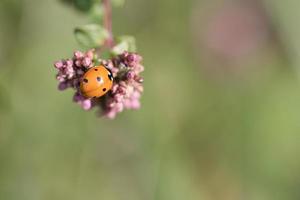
point(104, 89)
point(85, 80)
point(96, 69)
point(98, 79)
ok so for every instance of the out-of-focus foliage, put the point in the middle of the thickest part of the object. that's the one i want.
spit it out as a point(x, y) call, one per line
point(4, 100)
point(89, 5)
point(94, 35)
point(219, 118)
point(124, 43)
point(91, 35)
point(96, 13)
point(118, 3)
point(82, 5)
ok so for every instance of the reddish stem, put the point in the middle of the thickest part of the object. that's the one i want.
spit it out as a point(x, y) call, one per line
point(107, 23)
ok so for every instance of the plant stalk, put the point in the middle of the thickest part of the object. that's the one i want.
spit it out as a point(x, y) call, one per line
point(107, 23)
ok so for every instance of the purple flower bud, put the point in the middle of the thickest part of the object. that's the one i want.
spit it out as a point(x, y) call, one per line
point(79, 72)
point(130, 75)
point(76, 83)
point(62, 86)
point(122, 84)
point(118, 98)
point(121, 90)
point(58, 64)
point(86, 62)
point(69, 69)
point(130, 58)
point(78, 54)
point(110, 65)
point(69, 63)
point(77, 97)
point(78, 63)
point(60, 77)
point(114, 71)
point(114, 88)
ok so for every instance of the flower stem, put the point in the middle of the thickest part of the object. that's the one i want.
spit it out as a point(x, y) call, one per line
point(107, 23)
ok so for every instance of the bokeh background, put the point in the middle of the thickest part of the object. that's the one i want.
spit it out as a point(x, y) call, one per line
point(220, 116)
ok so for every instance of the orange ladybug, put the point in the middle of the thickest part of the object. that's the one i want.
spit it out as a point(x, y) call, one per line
point(96, 82)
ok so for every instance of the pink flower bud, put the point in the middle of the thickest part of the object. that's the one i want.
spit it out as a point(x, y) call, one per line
point(90, 54)
point(110, 115)
point(135, 104)
point(86, 104)
point(78, 63)
point(78, 55)
point(58, 64)
point(69, 63)
point(86, 62)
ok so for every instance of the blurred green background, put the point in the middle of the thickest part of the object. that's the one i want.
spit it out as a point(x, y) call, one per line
point(220, 116)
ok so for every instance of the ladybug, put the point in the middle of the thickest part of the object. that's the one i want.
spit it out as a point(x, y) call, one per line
point(96, 82)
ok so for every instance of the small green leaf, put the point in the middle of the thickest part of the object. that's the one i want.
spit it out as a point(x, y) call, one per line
point(91, 35)
point(118, 3)
point(125, 43)
point(83, 5)
point(96, 12)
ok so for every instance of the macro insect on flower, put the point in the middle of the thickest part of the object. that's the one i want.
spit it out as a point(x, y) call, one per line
point(112, 84)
